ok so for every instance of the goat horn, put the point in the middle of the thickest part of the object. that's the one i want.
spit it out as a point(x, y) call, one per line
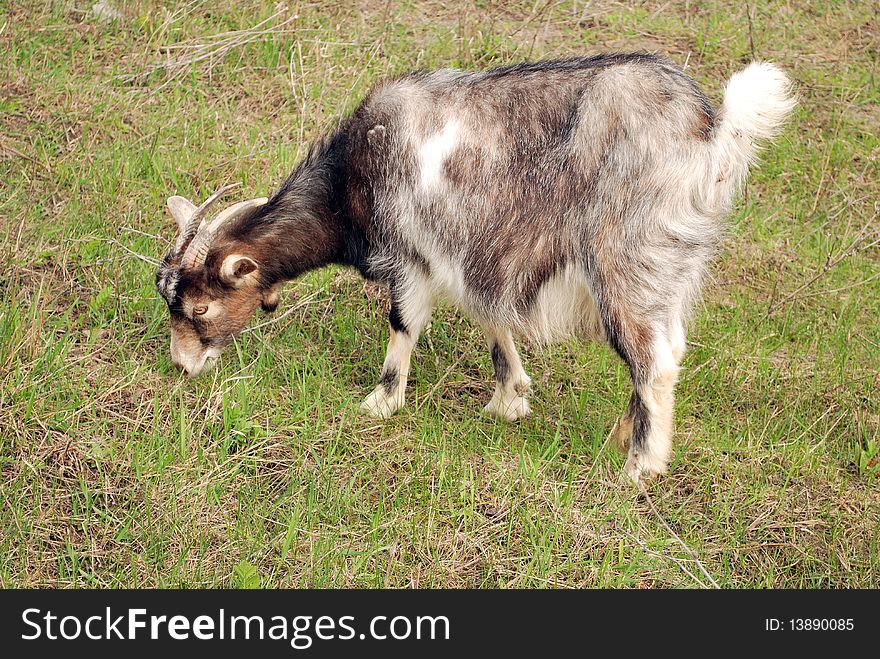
point(195, 221)
point(197, 250)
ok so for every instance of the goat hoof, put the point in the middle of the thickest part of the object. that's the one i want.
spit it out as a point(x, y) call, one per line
point(643, 468)
point(380, 405)
point(510, 410)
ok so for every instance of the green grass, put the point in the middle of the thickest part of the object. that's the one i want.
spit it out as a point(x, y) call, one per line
point(115, 471)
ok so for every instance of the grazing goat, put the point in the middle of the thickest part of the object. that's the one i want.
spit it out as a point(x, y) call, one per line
point(579, 197)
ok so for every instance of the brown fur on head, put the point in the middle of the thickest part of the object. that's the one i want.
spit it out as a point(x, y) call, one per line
point(212, 296)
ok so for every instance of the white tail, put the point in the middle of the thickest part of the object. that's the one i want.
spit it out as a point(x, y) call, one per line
point(756, 102)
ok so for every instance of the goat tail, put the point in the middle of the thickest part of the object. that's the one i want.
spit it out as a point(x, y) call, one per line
point(757, 101)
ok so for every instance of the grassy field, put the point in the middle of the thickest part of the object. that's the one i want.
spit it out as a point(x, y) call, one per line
point(116, 471)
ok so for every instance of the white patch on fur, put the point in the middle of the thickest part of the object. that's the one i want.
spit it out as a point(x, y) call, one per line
point(416, 302)
point(564, 307)
point(433, 153)
point(447, 277)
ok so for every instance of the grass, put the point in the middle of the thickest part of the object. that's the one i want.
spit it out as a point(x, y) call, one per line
point(116, 472)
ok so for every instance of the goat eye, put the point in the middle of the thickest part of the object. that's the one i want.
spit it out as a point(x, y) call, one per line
point(200, 310)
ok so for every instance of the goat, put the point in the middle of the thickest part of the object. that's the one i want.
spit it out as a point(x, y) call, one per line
point(577, 197)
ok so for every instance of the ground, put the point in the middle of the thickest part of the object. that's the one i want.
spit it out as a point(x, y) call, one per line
point(118, 472)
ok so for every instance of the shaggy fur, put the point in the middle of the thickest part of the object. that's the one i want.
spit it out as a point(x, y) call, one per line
point(580, 197)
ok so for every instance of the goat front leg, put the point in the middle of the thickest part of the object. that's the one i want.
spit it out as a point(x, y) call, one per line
point(511, 382)
point(409, 314)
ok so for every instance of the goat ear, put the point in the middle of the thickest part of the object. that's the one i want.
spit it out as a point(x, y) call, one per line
point(182, 209)
point(237, 269)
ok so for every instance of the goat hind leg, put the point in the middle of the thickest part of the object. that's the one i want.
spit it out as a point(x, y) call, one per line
point(623, 429)
point(652, 411)
point(651, 357)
